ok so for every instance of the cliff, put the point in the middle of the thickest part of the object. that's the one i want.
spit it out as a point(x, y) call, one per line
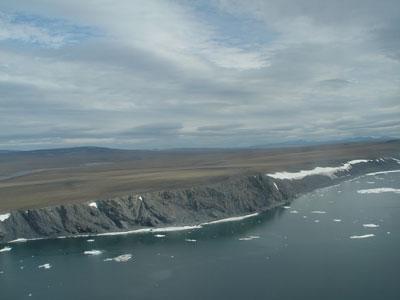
point(238, 195)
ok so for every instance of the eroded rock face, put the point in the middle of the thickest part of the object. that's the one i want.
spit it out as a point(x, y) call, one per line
point(236, 196)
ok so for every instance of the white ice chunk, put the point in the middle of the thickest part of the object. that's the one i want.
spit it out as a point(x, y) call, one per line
point(190, 240)
point(318, 212)
point(379, 190)
point(45, 266)
point(160, 235)
point(337, 220)
point(362, 236)
point(249, 238)
point(120, 258)
point(370, 225)
point(93, 252)
point(5, 249)
point(232, 219)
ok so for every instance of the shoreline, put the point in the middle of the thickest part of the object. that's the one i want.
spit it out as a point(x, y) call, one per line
point(187, 209)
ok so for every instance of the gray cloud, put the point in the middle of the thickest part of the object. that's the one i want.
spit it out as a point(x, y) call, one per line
point(167, 74)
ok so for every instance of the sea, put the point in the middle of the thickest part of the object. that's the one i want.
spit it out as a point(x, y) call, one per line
point(340, 242)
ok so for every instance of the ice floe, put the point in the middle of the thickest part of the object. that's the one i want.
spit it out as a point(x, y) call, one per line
point(4, 217)
point(325, 171)
point(316, 221)
point(45, 266)
point(362, 236)
point(5, 249)
point(232, 219)
point(20, 240)
point(382, 172)
point(93, 204)
point(337, 220)
point(249, 238)
point(379, 190)
point(286, 207)
point(90, 240)
point(120, 258)
point(159, 235)
point(370, 225)
point(93, 252)
point(318, 212)
point(190, 240)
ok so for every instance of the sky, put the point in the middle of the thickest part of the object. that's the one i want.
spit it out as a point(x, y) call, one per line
point(172, 74)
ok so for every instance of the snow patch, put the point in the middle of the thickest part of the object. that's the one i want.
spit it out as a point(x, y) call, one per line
point(276, 186)
point(324, 171)
point(4, 217)
point(93, 204)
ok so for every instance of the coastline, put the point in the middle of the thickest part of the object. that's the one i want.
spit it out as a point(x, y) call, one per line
point(187, 209)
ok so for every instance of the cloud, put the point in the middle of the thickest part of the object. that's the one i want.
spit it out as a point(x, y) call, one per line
point(205, 74)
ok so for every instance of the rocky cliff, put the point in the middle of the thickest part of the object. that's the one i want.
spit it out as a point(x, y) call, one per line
point(239, 195)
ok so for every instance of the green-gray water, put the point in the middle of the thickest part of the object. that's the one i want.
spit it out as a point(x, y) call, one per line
point(301, 252)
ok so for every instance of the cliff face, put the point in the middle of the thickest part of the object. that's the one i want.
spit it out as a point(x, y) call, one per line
point(234, 197)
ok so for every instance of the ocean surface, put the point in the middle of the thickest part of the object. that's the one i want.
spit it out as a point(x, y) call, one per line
point(341, 242)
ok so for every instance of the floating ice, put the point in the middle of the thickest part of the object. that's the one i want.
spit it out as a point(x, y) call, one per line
point(93, 204)
point(337, 220)
point(93, 252)
point(318, 212)
point(45, 266)
point(379, 190)
point(232, 219)
point(20, 240)
point(362, 236)
point(249, 238)
point(4, 217)
point(286, 207)
point(90, 241)
point(160, 235)
point(324, 171)
point(190, 240)
point(382, 172)
point(5, 249)
point(294, 212)
point(121, 258)
point(316, 221)
point(370, 225)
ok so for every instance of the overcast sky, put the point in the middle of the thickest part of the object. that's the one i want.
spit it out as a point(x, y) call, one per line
point(167, 74)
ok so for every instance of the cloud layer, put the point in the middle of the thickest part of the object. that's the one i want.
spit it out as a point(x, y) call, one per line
point(227, 73)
